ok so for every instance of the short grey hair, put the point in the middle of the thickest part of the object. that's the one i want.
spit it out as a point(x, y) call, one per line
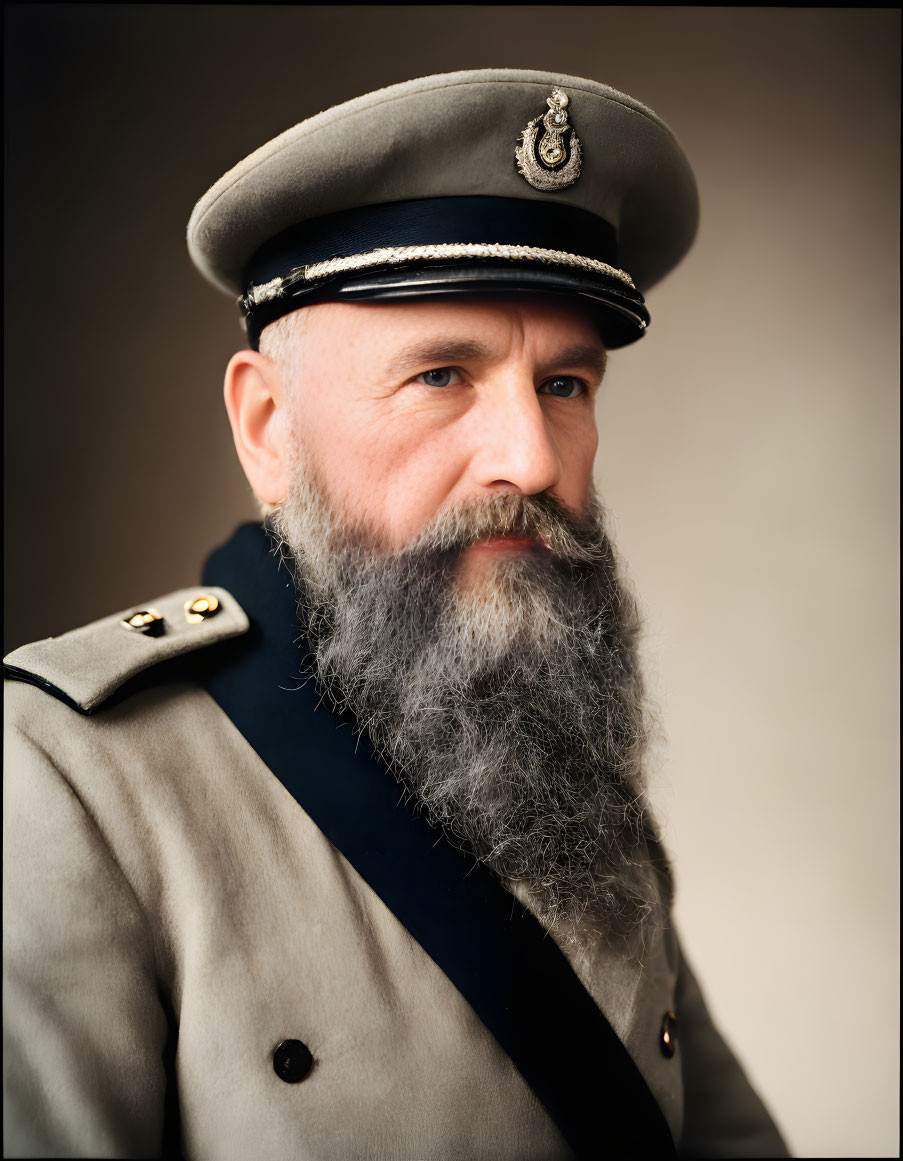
point(279, 341)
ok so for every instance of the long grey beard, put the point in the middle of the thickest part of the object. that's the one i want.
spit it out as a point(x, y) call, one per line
point(511, 710)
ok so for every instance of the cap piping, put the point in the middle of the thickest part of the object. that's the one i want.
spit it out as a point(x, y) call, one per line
point(396, 255)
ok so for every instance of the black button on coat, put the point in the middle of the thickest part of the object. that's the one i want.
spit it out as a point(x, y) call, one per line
point(292, 1061)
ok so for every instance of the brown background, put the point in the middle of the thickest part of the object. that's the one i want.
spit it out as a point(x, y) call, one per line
point(749, 447)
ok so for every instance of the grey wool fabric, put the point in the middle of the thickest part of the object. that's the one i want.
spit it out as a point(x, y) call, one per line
point(157, 873)
point(89, 664)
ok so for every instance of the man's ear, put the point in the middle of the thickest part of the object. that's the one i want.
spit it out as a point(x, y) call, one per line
point(256, 405)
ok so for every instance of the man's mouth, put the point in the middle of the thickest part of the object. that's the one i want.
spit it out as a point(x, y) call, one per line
point(513, 544)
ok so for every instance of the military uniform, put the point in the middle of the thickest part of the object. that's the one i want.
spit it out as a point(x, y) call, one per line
point(175, 919)
point(225, 933)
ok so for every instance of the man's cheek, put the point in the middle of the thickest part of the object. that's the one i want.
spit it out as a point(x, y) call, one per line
point(411, 483)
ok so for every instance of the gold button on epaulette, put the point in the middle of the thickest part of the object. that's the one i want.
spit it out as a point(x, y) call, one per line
point(668, 1041)
point(200, 608)
point(86, 667)
point(146, 621)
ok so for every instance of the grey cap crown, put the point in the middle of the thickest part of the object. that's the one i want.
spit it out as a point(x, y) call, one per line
point(454, 134)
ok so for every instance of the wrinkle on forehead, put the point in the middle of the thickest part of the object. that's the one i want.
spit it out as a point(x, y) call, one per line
point(437, 330)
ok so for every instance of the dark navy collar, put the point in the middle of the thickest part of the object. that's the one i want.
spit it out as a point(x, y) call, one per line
point(492, 949)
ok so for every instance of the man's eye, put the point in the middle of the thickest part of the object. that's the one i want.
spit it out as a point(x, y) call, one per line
point(439, 377)
point(564, 387)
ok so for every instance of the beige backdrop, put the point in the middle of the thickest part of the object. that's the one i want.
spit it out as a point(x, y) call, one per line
point(749, 447)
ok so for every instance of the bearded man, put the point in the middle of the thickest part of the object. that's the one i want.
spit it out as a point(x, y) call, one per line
point(347, 853)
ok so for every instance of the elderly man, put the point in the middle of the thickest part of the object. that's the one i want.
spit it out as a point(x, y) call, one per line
point(346, 853)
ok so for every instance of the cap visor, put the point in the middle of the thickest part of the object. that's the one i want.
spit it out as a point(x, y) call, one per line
point(622, 316)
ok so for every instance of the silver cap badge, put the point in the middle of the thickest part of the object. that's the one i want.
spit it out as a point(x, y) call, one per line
point(550, 164)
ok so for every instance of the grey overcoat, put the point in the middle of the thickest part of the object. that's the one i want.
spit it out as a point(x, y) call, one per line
point(172, 915)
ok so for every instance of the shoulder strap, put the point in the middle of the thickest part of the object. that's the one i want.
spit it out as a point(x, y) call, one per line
point(88, 667)
point(492, 949)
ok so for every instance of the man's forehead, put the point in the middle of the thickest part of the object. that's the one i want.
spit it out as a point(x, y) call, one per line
point(463, 330)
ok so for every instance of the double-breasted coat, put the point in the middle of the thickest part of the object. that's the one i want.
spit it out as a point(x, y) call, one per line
point(225, 937)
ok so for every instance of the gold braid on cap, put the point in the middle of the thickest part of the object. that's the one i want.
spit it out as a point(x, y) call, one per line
point(396, 255)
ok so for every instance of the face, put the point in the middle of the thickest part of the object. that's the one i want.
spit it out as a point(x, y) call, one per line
point(402, 410)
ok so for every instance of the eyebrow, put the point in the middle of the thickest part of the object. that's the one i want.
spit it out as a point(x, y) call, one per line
point(444, 352)
point(438, 353)
point(585, 355)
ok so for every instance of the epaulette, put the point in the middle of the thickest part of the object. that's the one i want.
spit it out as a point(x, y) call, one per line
point(86, 667)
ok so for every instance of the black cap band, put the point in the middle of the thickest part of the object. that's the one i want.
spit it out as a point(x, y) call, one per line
point(514, 221)
point(564, 230)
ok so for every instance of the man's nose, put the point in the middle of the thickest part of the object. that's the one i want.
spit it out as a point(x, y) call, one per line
point(515, 448)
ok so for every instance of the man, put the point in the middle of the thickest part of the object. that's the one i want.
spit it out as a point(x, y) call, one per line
point(347, 852)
